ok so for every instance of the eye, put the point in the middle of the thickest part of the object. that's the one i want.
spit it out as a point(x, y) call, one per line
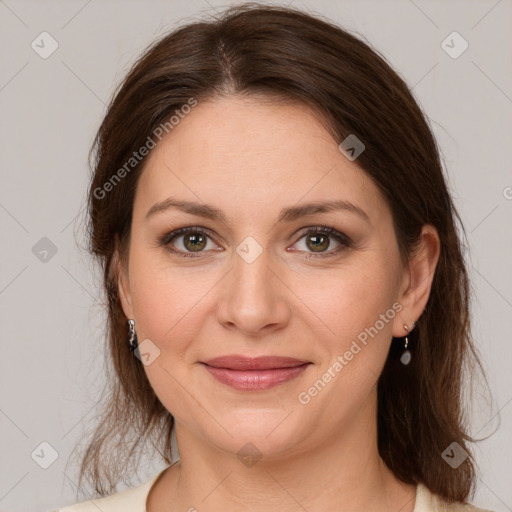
point(189, 242)
point(318, 240)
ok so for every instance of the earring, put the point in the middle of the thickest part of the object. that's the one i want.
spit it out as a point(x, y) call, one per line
point(405, 358)
point(132, 336)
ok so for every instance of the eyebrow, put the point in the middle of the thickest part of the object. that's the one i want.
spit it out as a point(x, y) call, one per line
point(288, 214)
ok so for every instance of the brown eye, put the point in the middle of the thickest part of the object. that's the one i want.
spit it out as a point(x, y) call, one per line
point(194, 242)
point(317, 243)
point(188, 242)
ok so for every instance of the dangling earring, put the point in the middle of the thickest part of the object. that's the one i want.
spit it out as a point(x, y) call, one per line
point(405, 358)
point(132, 336)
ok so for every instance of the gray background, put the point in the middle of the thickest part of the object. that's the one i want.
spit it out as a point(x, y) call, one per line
point(51, 321)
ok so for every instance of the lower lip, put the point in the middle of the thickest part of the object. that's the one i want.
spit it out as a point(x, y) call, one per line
point(254, 380)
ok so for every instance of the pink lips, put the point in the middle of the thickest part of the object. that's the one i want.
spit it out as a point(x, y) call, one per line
point(257, 373)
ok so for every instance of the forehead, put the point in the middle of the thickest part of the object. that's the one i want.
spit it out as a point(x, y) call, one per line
point(251, 155)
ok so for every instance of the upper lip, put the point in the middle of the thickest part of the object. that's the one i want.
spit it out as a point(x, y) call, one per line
point(239, 362)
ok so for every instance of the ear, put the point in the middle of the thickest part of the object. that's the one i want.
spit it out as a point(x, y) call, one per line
point(417, 282)
point(123, 282)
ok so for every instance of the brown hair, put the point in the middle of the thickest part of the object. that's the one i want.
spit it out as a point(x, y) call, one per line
point(285, 53)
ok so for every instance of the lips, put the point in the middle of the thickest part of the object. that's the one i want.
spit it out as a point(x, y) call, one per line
point(239, 362)
point(254, 373)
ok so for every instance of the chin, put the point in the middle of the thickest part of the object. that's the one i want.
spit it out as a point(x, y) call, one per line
point(256, 433)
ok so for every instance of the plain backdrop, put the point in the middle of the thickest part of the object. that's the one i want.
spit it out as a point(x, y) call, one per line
point(51, 325)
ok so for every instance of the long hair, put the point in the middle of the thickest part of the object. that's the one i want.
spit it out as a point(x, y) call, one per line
point(277, 52)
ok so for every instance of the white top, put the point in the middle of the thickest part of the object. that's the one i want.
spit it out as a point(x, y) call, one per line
point(134, 500)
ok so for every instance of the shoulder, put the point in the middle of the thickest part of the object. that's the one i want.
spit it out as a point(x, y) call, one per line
point(129, 500)
point(428, 502)
point(458, 507)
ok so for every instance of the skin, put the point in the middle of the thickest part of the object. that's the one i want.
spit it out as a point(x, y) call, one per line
point(250, 159)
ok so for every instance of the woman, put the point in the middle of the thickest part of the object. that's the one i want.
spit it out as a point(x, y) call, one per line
point(285, 282)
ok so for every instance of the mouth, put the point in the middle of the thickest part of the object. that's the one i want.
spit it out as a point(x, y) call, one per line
point(254, 373)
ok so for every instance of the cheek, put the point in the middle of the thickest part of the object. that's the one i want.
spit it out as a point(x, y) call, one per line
point(358, 306)
point(169, 305)
point(168, 301)
point(368, 294)
point(356, 303)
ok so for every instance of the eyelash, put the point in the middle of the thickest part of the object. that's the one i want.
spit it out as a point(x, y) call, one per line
point(344, 240)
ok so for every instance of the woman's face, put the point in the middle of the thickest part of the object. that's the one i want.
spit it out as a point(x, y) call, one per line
point(260, 281)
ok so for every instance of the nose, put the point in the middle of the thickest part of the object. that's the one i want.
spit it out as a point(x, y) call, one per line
point(254, 299)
